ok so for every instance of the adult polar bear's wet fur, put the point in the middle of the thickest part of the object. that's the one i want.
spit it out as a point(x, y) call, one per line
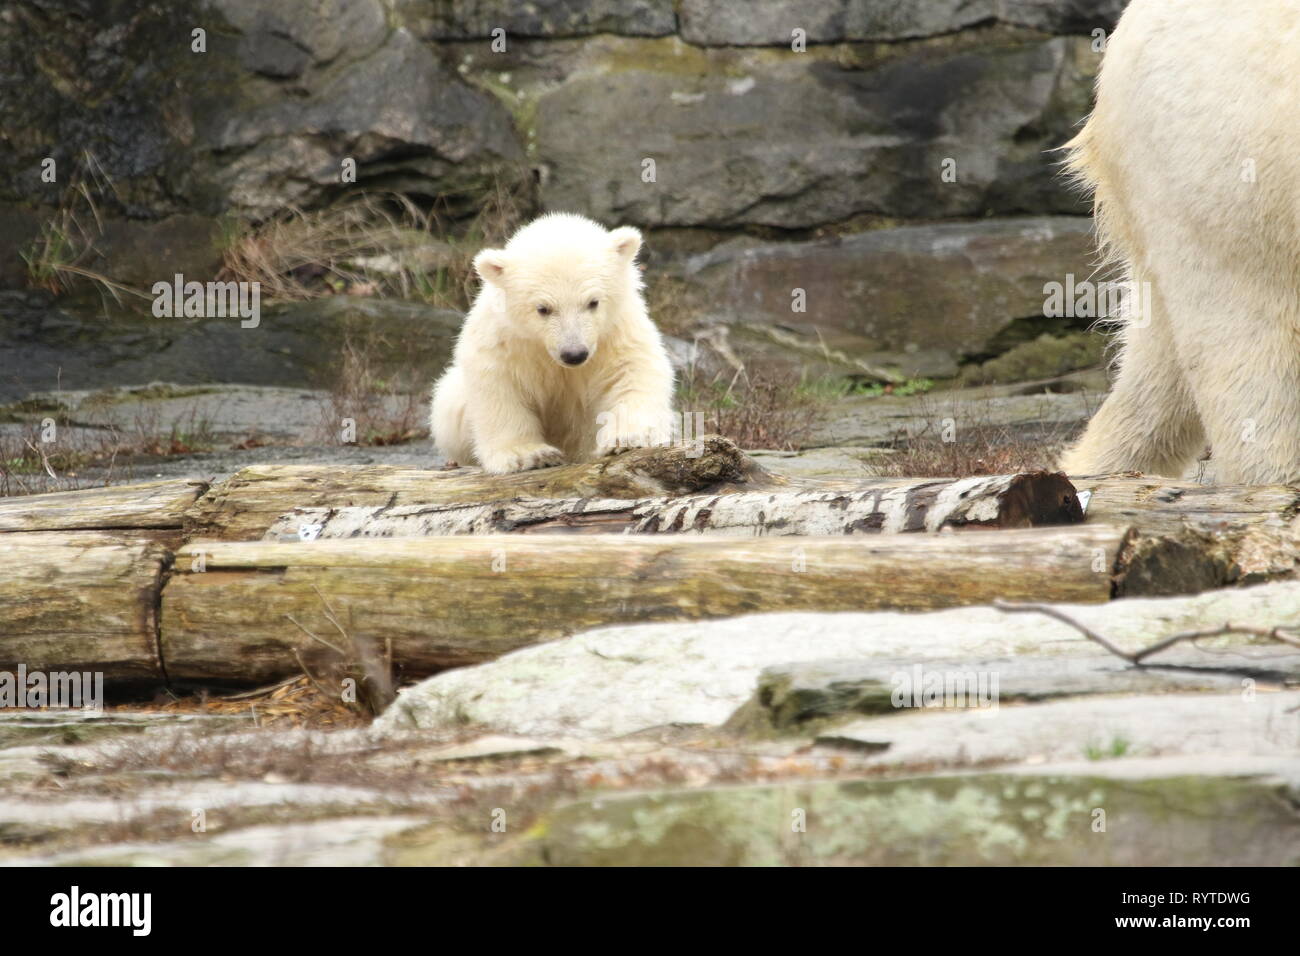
point(558, 359)
point(1193, 151)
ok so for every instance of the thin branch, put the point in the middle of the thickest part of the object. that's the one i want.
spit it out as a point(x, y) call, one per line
point(311, 677)
point(1010, 608)
point(1137, 657)
point(337, 650)
point(329, 615)
point(258, 691)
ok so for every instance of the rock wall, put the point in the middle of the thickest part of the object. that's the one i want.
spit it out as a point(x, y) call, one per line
point(698, 120)
point(263, 118)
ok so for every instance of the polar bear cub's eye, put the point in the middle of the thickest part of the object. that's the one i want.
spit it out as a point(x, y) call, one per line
point(592, 304)
point(543, 310)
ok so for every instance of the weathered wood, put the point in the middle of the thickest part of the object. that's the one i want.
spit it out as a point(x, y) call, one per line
point(1007, 501)
point(455, 600)
point(81, 600)
point(244, 506)
point(1158, 506)
point(156, 504)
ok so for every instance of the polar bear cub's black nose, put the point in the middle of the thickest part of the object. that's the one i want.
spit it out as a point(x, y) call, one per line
point(573, 356)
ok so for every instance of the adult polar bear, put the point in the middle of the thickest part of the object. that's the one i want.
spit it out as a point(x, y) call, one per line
point(1194, 154)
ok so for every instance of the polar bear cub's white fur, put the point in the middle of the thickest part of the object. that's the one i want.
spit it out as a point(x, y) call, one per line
point(1194, 152)
point(558, 359)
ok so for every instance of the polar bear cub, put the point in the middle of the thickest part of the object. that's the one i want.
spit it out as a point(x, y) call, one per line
point(558, 359)
point(1193, 152)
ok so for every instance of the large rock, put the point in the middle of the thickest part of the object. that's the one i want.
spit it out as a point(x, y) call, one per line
point(340, 841)
point(44, 346)
point(724, 23)
point(466, 19)
point(263, 118)
point(620, 680)
point(1037, 416)
point(917, 299)
point(1159, 814)
point(794, 697)
point(796, 140)
point(406, 120)
point(1229, 724)
point(19, 227)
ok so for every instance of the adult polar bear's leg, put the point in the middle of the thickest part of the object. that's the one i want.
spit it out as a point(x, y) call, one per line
point(1148, 423)
point(1244, 358)
point(1194, 154)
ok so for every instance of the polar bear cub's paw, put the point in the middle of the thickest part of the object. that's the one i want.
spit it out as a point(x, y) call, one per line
point(521, 458)
point(624, 432)
point(621, 443)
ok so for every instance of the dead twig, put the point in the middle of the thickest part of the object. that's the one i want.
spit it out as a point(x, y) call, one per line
point(1137, 657)
point(361, 661)
point(314, 637)
point(311, 677)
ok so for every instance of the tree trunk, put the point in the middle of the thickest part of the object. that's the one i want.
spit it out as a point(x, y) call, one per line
point(1007, 501)
point(448, 601)
point(1158, 506)
point(244, 506)
point(156, 504)
point(81, 601)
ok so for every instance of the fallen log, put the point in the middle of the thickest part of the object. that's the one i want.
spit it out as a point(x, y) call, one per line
point(244, 506)
point(1004, 501)
point(81, 601)
point(1158, 506)
point(156, 504)
point(243, 611)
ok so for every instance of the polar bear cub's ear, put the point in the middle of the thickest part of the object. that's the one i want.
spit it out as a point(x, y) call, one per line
point(490, 264)
point(627, 242)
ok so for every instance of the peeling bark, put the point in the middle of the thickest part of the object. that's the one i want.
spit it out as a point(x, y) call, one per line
point(243, 507)
point(1009, 501)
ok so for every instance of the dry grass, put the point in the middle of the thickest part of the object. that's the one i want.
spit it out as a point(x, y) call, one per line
point(29, 465)
point(366, 246)
point(374, 244)
point(56, 258)
point(980, 451)
point(755, 408)
point(295, 702)
point(350, 662)
point(383, 400)
point(370, 244)
point(962, 441)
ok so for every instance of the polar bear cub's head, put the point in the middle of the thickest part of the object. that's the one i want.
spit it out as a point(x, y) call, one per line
point(564, 279)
